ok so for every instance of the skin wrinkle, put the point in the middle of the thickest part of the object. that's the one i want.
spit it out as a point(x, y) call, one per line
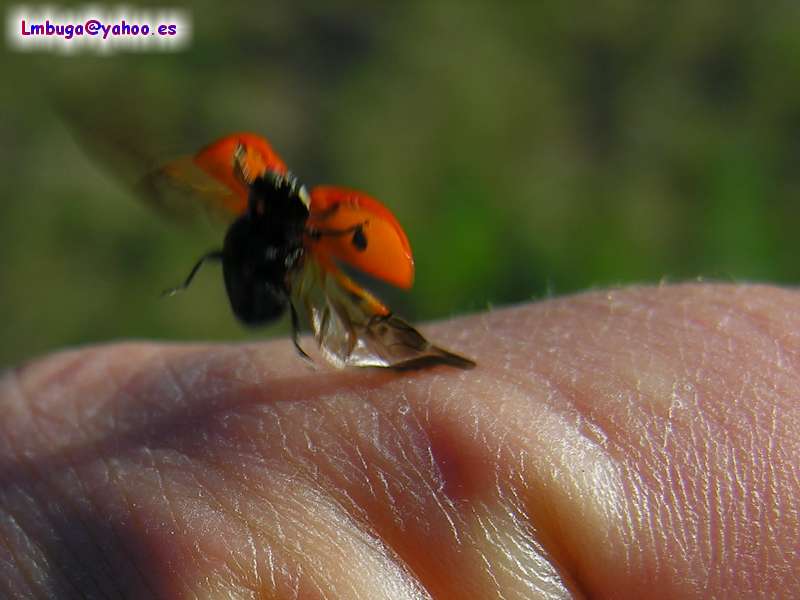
point(378, 471)
point(52, 490)
point(407, 459)
point(7, 559)
point(534, 573)
point(712, 438)
point(361, 534)
point(39, 375)
point(234, 508)
point(685, 527)
point(230, 507)
point(432, 482)
point(352, 465)
point(129, 436)
point(255, 563)
point(565, 389)
point(364, 466)
point(121, 384)
point(571, 394)
point(11, 380)
point(741, 477)
point(103, 558)
point(737, 471)
point(46, 564)
point(134, 514)
point(312, 457)
point(541, 475)
point(490, 531)
point(177, 523)
point(161, 489)
point(251, 531)
point(30, 545)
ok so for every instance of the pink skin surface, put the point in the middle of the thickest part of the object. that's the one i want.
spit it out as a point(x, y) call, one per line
point(642, 442)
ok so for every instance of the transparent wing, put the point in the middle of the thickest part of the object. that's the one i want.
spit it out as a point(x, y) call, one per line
point(353, 328)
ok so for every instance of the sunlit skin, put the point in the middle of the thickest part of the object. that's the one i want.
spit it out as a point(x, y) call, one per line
point(629, 443)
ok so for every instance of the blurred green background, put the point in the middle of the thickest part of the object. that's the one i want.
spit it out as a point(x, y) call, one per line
point(528, 148)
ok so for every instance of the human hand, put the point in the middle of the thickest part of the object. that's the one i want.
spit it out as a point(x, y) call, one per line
point(642, 442)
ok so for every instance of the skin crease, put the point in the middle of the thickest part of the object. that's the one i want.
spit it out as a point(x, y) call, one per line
point(640, 442)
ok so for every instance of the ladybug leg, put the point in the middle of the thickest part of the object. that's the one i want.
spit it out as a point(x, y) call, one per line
point(215, 255)
point(296, 333)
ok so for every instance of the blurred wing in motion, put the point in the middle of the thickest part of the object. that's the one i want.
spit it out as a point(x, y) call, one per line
point(217, 176)
point(182, 191)
point(354, 329)
point(369, 236)
point(127, 141)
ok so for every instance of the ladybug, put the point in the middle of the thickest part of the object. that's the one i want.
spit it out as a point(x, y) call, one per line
point(283, 247)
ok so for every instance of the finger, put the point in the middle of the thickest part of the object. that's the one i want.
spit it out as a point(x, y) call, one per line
point(573, 460)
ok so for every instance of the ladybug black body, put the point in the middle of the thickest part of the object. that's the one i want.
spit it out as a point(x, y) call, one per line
point(263, 247)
